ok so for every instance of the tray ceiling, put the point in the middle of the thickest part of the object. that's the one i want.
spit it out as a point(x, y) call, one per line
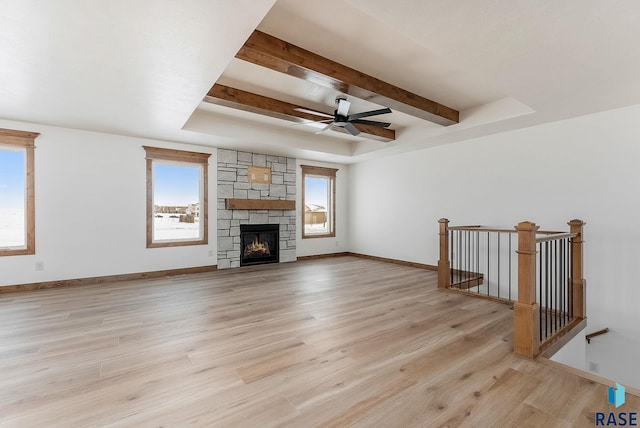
point(133, 68)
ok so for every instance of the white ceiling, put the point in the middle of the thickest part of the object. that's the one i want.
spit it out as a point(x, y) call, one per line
point(143, 67)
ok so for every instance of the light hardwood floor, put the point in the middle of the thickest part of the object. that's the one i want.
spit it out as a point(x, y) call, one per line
point(333, 342)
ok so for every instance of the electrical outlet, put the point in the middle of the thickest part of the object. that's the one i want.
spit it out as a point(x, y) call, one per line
point(39, 266)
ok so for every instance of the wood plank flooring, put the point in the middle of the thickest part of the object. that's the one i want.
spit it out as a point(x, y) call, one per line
point(332, 342)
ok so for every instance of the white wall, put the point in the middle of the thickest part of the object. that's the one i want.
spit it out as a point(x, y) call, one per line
point(573, 353)
point(583, 168)
point(615, 356)
point(339, 243)
point(91, 209)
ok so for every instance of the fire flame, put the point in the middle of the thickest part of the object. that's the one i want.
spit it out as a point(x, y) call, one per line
point(257, 248)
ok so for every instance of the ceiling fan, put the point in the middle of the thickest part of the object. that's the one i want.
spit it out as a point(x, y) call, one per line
point(342, 119)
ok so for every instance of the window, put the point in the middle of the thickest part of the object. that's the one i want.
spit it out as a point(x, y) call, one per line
point(177, 212)
point(17, 203)
point(318, 201)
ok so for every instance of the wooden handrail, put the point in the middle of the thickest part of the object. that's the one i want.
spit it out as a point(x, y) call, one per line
point(596, 333)
point(567, 235)
point(481, 229)
point(491, 229)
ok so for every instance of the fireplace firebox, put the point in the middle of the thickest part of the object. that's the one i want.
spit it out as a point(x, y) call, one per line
point(259, 244)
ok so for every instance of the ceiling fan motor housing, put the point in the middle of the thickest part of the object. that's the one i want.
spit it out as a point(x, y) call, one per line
point(342, 118)
point(339, 119)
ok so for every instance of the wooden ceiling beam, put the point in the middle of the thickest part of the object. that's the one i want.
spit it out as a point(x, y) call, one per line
point(275, 54)
point(242, 100)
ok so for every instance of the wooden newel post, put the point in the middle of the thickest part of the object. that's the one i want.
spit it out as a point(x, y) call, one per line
point(444, 265)
point(526, 316)
point(577, 281)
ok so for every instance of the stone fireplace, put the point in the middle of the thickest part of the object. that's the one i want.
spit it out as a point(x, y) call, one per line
point(242, 203)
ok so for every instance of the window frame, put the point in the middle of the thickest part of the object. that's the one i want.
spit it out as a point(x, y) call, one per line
point(330, 173)
point(184, 157)
point(25, 141)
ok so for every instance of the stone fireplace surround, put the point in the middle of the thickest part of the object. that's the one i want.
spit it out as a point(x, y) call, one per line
point(233, 184)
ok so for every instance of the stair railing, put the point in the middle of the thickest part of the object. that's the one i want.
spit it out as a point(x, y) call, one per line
point(548, 295)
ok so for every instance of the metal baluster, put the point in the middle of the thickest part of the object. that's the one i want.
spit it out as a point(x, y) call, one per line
point(556, 271)
point(551, 286)
point(571, 280)
point(488, 262)
point(478, 257)
point(450, 237)
point(565, 280)
point(540, 287)
point(549, 291)
point(472, 245)
point(561, 284)
point(467, 260)
point(510, 257)
point(463, 258)
point(499, 257)
point(459, 274)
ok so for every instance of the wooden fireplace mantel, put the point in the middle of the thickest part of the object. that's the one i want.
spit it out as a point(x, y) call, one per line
point(259, 204)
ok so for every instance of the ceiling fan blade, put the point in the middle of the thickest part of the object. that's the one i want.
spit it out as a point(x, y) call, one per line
point(313, 112)
point(371, 122)
point(326, 128)
point(369, 113)
point(352, 129)
point(311, 123)
point(343, 107)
